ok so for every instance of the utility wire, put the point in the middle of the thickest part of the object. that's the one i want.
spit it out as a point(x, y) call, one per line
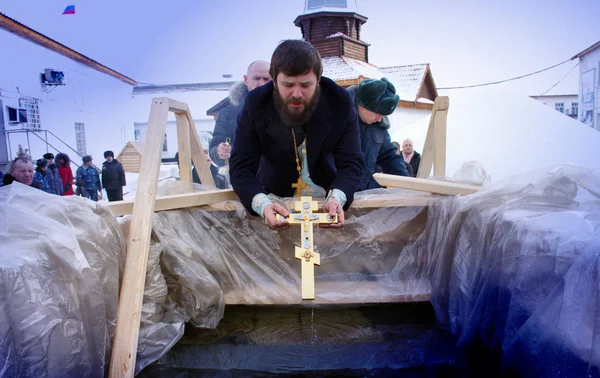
point(558, 82)
point(504, 81)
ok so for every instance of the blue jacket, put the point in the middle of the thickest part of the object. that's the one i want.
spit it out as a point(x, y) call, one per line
point(54, 180)
point(378, 150)
point(88, 178)
point(227, 121)
point(262, 141)
point(40, 181)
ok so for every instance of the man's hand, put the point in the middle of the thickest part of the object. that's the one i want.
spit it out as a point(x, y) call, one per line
point(224, 150)
point(100, 196)
point(271, 219)
point(333, 207)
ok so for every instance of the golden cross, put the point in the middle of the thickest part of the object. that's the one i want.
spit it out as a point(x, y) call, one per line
point(306, 252)
point(299, 186)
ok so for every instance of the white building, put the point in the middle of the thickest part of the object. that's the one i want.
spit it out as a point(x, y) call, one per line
point(589, 85)
point(55, 99)
point(567, 104)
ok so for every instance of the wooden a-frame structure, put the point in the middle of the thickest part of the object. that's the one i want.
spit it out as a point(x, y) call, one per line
point(124, 347)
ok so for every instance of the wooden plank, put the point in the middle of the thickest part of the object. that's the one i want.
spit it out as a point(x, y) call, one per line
point(198, 156)
point(424, 185)
point(182, 201)
point(439, 164)
point(177, 106)
point(177, 201)
point(430, 149)
point(132, 286)
point(183, 148)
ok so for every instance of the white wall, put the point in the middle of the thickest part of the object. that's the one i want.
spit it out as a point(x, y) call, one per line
point(567, 100)
point(198, 102)
point(97, 100)
point(590, 61)
point(403, 117)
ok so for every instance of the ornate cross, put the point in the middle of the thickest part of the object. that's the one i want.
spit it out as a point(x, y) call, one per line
point(306, 218)
point(299, 186)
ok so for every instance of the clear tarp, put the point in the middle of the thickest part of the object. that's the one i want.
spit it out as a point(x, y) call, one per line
point(513, 267)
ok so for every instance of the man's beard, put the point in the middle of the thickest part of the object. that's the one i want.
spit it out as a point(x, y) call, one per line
point(295, 118)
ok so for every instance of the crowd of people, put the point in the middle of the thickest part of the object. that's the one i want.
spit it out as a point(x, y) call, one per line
point(55, 176)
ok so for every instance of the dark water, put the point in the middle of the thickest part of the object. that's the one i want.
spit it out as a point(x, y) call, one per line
point(379, 340)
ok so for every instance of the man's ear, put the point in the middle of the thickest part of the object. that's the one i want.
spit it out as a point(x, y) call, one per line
point(246, 79)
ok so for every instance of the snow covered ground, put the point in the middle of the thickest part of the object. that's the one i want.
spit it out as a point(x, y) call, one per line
point(507, 134)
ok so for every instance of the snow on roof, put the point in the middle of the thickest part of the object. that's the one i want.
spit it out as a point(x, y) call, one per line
point(334, 35)
point(315, 6)
point(507, 133)
point(406, 79)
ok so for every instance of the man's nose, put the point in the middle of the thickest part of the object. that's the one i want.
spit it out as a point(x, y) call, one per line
point(297, 92)
point(378, 118)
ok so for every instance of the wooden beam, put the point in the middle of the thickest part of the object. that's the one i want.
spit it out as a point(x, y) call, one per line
point(430, 149)
point(186, 200)
point(198, 156)
point(31, 35)
point(177, 201)
point(424, 185)
point(183, 148)
point(177, 106)
point(439, 164)
point(125, 342)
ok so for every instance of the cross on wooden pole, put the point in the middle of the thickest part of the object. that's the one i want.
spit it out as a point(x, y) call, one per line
point(305, 253)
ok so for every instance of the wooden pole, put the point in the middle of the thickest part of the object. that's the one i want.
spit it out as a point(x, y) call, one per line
point(125, 342)
point(430, 149)
point(439, 164)
point(425, 185)
point(198, 156)
point(183, 148)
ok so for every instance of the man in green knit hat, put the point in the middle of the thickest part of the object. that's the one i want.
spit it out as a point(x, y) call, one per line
point(374, 100)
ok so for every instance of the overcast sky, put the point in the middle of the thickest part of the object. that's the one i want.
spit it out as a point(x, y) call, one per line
point(465, 41)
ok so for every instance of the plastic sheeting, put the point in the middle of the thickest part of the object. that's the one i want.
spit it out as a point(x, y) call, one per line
point(515, 269)
point(59, 277)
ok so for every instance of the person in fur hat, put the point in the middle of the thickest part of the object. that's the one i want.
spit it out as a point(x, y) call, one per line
point(66, 173)
point(219, 149)
point(40, 177)
point(113, 177)
point(374, 100)
point(54, 181)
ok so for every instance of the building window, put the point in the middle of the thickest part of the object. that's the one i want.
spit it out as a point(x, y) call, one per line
point(80, 138)
point(574, 108)
point(31, 105)
point(165, 149)
point(560, 106)
point(136, 134)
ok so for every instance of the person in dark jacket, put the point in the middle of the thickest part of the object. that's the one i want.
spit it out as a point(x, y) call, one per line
point(40, 177)
point(66, 173)
point(20, 170)
point(399, 152)
point(54, 180)
point(224, 132)
point(374, 100)
point(113, 177)
point(411, 156)
point(297, 134)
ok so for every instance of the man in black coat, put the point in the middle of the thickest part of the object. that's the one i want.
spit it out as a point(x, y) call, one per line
point(410, 156)
point(224, 132)
point(300, 128)
point(113, 177)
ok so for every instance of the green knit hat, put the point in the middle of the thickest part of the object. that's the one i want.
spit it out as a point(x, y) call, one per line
point(378, 96)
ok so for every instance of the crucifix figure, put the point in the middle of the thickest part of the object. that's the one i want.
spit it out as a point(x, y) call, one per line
point(305, 253)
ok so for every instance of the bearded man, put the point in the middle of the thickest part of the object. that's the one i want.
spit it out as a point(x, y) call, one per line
point(297, 132)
